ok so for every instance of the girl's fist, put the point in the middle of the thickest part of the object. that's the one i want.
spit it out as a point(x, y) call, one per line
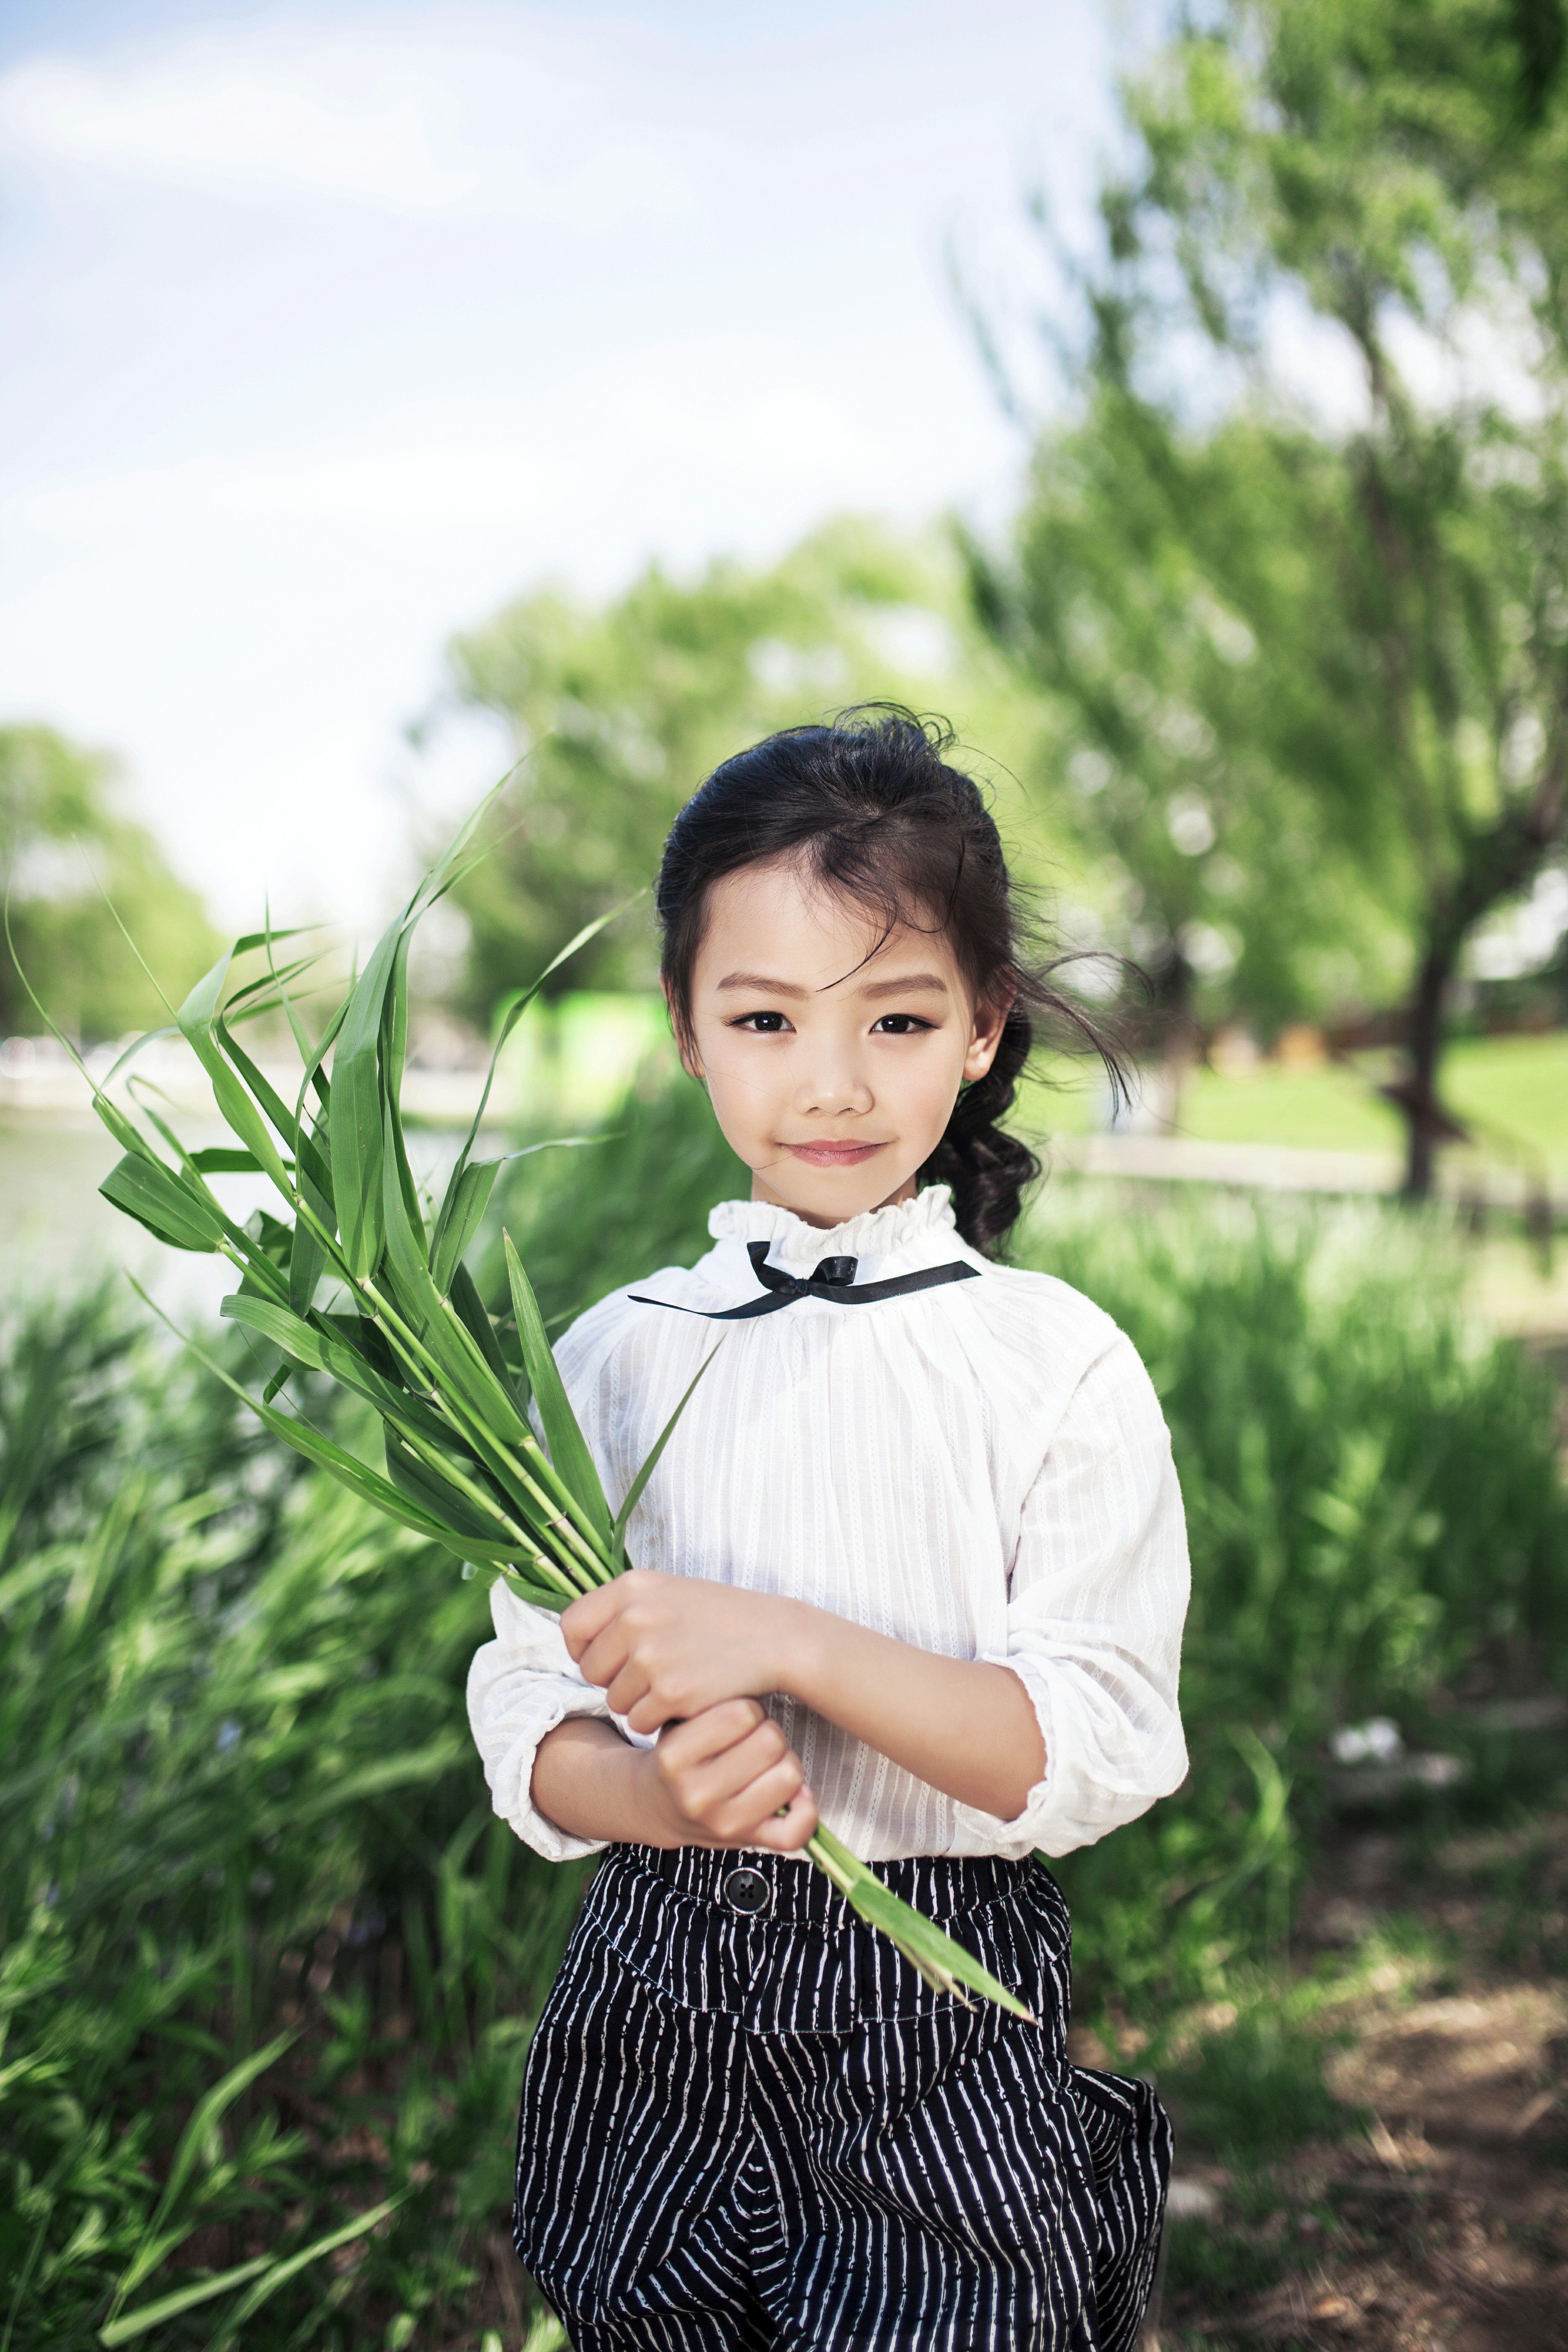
point(665, 1647)
point(728, 1777)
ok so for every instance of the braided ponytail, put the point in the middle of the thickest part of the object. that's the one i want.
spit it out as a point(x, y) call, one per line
point(873, 809)
point(988, 1171)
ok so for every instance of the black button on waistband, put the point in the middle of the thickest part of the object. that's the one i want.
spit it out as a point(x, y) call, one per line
point(746, 1890)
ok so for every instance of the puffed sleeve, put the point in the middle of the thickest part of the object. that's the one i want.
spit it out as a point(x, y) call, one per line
point(1097, 1599)
point(520, 1685)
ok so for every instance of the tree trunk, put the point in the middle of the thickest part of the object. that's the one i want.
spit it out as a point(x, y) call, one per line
point(1418, 1097)
point(1498, 865)
point(1171, 1025)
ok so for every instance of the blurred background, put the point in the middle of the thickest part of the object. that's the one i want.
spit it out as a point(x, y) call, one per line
point(401, 399)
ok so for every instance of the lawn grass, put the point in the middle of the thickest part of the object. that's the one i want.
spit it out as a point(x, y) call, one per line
point(1517, 1086)
point(1334, 1108)
point(1514, 1090)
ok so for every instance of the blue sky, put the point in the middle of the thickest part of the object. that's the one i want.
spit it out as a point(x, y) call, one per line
point(331, 326)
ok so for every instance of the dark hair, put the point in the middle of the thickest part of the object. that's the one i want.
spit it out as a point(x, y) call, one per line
point(876, 814)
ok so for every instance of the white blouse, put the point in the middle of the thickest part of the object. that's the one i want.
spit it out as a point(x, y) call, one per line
point(981, 1469)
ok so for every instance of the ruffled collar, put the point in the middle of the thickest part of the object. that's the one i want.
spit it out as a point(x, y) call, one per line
point(894, 1239)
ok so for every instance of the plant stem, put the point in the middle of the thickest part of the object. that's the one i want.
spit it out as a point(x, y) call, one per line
point(830, 1858)
point(576, 1528)
point(445, 1467)
point(464, 1416)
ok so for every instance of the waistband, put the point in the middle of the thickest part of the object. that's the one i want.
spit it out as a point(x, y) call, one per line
point(787, 1890)
point(766, 1941)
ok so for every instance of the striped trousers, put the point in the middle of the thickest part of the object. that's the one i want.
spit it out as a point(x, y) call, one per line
point(746, 2122)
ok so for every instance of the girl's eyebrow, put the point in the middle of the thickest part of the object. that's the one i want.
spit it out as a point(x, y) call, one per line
point(758, 981)
point(902, 987)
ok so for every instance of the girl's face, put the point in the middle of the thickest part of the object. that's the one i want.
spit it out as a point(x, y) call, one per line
point(833, 1063)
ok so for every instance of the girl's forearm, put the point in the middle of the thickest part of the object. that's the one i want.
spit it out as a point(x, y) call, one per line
point(967, 1728)
point(589, 1782)
point(663, 1648)
point(725, 1777)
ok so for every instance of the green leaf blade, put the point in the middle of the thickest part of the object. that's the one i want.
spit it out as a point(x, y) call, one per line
point(569, 1452)
point(172, 1208)
point(185, 2298)
point(510, 1012)
point(324, 1351)
point(634, 1493)
point(359, 1126)
point(470, 1309)
point(941, 1962)
point(467, 1198)
point(215, 1160)
point(282, 2272)
point(198, 1017)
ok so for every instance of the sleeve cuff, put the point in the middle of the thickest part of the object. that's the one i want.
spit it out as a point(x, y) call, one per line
point(981, 1833)
point(508, 1730)
point(520, 1685)
point(1099, 1773)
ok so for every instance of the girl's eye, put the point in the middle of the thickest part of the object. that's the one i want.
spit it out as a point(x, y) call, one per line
point(762, 1024)
point(901, 1024)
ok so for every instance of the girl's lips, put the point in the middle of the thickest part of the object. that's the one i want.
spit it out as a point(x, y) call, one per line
point(833, 1155)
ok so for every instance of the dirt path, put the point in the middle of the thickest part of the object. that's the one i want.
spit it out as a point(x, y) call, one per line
point(1441, 2220)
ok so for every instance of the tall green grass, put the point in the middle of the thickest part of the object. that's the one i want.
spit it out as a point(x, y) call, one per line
point(268, 1963)
point(1373, 1501)
point(240, 1820)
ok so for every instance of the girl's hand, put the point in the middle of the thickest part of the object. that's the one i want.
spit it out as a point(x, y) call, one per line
point(664, 1647)
point(727, 1778)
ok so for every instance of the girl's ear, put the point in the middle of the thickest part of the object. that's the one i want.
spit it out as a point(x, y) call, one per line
point(690, 1061)
point(990, 1020)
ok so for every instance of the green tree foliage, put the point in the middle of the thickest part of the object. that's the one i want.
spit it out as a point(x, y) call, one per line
point(1184, 723)
point(1318, 674)
point(61, 836)
point(623, 710)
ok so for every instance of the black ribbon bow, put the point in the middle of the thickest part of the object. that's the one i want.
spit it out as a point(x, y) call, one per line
point(831, 1277)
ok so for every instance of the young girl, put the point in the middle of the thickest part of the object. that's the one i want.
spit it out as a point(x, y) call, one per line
point(914, 1560)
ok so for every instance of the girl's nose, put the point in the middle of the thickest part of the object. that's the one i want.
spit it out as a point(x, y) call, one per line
point(833, 1088)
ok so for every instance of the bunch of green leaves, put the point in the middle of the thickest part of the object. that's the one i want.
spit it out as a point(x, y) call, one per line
point(463, 1465)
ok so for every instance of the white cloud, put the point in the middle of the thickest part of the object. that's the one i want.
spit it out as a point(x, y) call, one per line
point(723, 442)
point(421, 126)
point(328, 351)
point(260, 620)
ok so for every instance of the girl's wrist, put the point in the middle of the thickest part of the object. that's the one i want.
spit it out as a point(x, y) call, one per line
point(801, 1643)
point(653, 1821)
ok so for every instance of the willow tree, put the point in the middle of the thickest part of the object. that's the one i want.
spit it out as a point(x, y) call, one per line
point(66, 846)
point(1308, 621)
